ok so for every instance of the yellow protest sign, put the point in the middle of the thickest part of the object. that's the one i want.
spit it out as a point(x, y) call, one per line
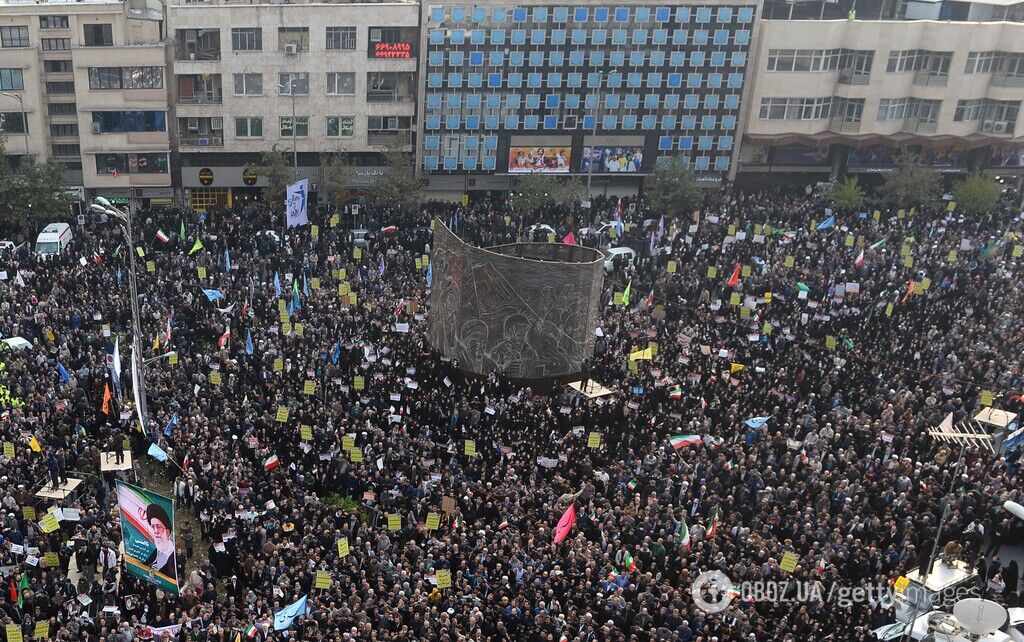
point(789, 561)
point(876, 216)
point(652, 346)
point(335, 220)
point(344, 288)
point(987, 398)
point(671, 267)
point(394, 522)
point(734, 298)
point(735, 367)
point(172, 358)
point(315, 283)
point(951, 206)
point(433, 521)
point(904, 250)
point(357, 253)
point(814, 225)
point(849, 241)
point(215, 377)
point(150, 266)
point(908, 261)
point(343, 274)
point(732, 230)
point(888, 310)
point(286, 327)
point(306, 432)
point(632, 366)
point(9, 449)
point(551, 238)
point(469, 447)
point(901, 583)
point(901, 214)
point(712, 272)
point(790, 261)
point(1018, 251)
point(757, 228)
point(353, 299)
point(924, 284)
point(348, 442)
point(343, 550)
point(309, 387)
point(14, 630)
point(51, 560)
point(830, 342)
point(358, 382)
point(356, 455)
point(314, 231)
point(767, 297)
point(48, 523)
point(745, 271)
point(42, 630)
point(201, 271)
point(766, 328)
point(951, 257)
point(34, 444)
point(29, 512)
point(140, 251)
point(278, 364)
point(594, 440)
point(323, 580)
point(282, 414)
point(617, 298)
point(444, 579)
point(300, 329)
point(419, 263)
point(744, 312)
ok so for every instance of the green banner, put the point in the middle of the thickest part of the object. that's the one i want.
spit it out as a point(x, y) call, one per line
point(147, 526)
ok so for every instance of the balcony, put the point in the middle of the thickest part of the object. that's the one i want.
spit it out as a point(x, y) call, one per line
point(201, 141)
point(1004, 79)
point(201, 98)
point(841, 126)
point(918, 126)
point(385, 96)
point(850, 77)
point(194, 53)
point(388, 139)
point(930, 79)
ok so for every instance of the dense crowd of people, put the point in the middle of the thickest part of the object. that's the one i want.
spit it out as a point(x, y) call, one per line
point(303, 407)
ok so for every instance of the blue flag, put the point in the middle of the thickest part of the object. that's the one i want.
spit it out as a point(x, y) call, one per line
point(296, 303)
point(277, 284)
point(305, 285)
point(213, 295)
point(157, 453)
point(336, 353)
point(283, 619)
point(227, 260)
point(248, 343)
point(430, 274)
point(119, 276)
point(380, 268)
point(757, 422)
point(827, 224)
point(63, 373)
point(171, 423)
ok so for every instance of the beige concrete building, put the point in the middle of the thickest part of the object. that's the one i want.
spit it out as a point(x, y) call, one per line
point(347, 71)
point(84, 84)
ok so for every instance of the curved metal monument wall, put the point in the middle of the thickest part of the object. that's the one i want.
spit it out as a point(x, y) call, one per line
point(526, 310)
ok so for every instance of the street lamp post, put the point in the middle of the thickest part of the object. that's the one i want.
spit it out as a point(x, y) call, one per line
point(24, 116)
point(295, 152)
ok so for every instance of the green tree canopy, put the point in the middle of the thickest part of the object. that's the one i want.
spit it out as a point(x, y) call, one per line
point(673, 189)
point(909, 184)
point(32, 193)
point(846, 195)
point(339, 177)
point(535, 190)
point(399, 188)
point(276, 166)
point(977, 194)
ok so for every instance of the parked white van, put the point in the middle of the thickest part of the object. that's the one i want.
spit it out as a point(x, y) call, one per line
point(53, 240)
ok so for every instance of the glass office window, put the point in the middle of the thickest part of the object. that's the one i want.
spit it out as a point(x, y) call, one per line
point(530, 122)
point(668, 121)
point(643, 14)
point(685, 143)
point(664, 142)
point(691, 101)
point(519, 14)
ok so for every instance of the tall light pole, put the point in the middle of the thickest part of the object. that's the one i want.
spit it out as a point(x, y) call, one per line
point(24, 116)
point(295, 152)
point(593, 146)
point(103, 206)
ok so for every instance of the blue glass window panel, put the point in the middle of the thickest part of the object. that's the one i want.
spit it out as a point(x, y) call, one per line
point(697, 58)
point(617, 58)
point(434, 80)
point(515, 80)
point(471, 142)
point(493, 101)
point(499, 14)
point(728, 123)
point(513, 101)
point(593, 79)
point(677, 58)
point(454, 101)
point(451, 162)
point(682, 14)
point(473, 101)
point(581, 14)
point(722, 163)
point(689, 122)
point(651, 101)
point(732, 101)
point(662, 14)
point(717, 58)
point(476, 36)
point(432, 142)
point(458, 36)
point(491, 122)
point(557, 58)
point(469, 162)
point(725, 143)
point(654, 79)
point(536, 58)
point(511, 122)
point(745, 14)
point(634, 80)
point(489, 163)
point(632, 101)
point(561, 14)
point(640, 37)
point(621, 14)
point(612, 101)
point(596, 58)
point(618, 36)
point(430, 162)
point(474, 80)
point(533, 101)
point(721, 37)
point(436, 36)
point(703, 14)
point(540, 14)
point(433, 122)
point(458, 14)
point(643, 14)
point(671, 101)
point(551, 122)
point(433, 101)
point(455, 58)
point(700, 37)
point(675, 80)
point(608, 122)
point(724, 14)
point(691, 101)
point(435, 58)
point(739, 58)
point(685, 143)
point(437, 14)
point(629, 122)
point(742, 37)
point(588, 122)
point(494, 80)
point(601, 14)
point(614, 80)
point(574, 80)
point(515, 59)
point(693, 80)
point(551, 101)
point(572, 101)
point(711, 101)
point(649, 122)
point(518, 37)
point(558, 37)
point(530, 122)
point(537, 36)
point(708, 122)
point(519, 14)
point(714, 80)
point(664, 142)
point(451, 122)
point(703, 163)
point(636, 58)
point(490, 142)
point(668, 121)
point(735, 80)
point(479, 14)
point(455, 80)
point(497, 36)
point(704, 142)
point(533, 80)
point(679, 36)
point(554, 80)
point(579, 37)
point(659, 36)
point(590, 102)
point(599, 36)
point(576, 58)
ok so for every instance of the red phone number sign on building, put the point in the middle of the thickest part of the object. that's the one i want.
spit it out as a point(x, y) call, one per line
point(392, 50)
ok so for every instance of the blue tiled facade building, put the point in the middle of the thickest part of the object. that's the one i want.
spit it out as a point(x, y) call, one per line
point(517, 87)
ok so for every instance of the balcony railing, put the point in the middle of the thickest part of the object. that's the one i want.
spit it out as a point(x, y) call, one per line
point(1007, 80)
point(385, 139)
point(377, 96)
point(192, 53)
point(841, 126)
point(850, 77)
point(930, 79)
point(194, 140)
point(202, 98)
point(917, 126)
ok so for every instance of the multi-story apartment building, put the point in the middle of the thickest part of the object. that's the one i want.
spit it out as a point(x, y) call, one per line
point(83, 84)
point(839, 86)
point(320, 77)
point(604, 90)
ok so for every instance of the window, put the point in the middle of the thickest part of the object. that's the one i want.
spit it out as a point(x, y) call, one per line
point(981, 62)
point(340, 126)
point(341, 38)
point(13, 122)
point(100, 35)
point(969, 110)
point(130, 163)
point(893, 108)
point(55, 44)
point(13, 36)
point(341, 83)
point(301, 126)
point(295, 82)
point(803, 59)
point(298, 36)
point(126, 77)
point(57, 66)
point(795, 108)
point(925, 111)
point(60, 87)
point(64, 130)
point(113, 122)
point(62, 109)
point(246, 39)
point(248, 84)
point(12, 80)
point(934, 62)
point(66, 150)
point(104, 78)
point(249, 127)
point(53, 22)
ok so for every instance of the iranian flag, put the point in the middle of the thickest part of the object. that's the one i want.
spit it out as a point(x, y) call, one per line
point(676, 393)
point(628, 563)
point(632, 484)
point(163, 238)
point(503, 525)
point(682, 441)
point(859, 261)
point(821, 566)
point(251, 631)
point(224, 338)
point(684, 534)
point(272, 462)
point(715, 519)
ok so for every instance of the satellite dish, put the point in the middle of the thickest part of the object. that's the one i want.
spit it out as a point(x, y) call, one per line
point(1014, 509)
point(979, 617)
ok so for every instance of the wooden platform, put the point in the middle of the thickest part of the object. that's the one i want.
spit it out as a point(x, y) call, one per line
point(108, 461)
point(61, 492)
point(593, 389)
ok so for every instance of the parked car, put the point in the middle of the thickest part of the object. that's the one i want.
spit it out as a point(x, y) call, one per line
point(53, 240)
point(627, 256)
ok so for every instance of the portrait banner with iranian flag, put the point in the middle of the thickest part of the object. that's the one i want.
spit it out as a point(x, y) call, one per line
point(147, 527)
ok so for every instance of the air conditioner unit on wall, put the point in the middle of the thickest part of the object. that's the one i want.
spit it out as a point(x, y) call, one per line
point(193, 124)
point(291, 49)
point(1000, 126)
point(987, 125)
point(217, 123)
point(97, 128)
